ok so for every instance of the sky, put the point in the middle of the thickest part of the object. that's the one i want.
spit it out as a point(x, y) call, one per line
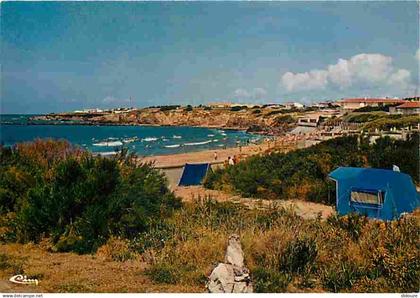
point(63, 56)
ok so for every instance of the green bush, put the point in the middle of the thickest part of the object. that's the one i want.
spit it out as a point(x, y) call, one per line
point(168, 108)
point(163, 274)
point(303, 174)
point(298, 255)
point(238, 108)
point(352, 223)
point(77, 199)
point(270, 281)
point(341, 276)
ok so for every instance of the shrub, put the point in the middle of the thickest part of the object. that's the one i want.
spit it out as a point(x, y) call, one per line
point(115, 249)
point(163, 274)
point(341, 277)
point(77, 199)
point(270, 281)
point(298, 255)
point(303, 173)
point(168, 108)
point(352, 223)
point(238, 108)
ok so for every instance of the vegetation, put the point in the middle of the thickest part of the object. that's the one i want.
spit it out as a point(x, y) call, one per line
point(284, 119)
point(356, 117)
point(64, 199)
point(52, 189)
point(397, 121)
point(238, 108)
point(302, 174)
point(286, 253)
point(168, 108)
point(384, 108)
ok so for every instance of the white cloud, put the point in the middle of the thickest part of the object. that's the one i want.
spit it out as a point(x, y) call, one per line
point(361, 69)
point(255, 93)
point(401, 76)
point(314, 79)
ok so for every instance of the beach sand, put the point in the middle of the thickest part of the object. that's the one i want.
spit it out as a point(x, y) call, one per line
point(207, 156)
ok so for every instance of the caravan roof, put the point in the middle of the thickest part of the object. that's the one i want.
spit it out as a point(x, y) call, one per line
point(357, 187)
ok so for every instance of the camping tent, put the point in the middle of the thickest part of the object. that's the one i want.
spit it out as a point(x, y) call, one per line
point(377, 193)
point(194, 174)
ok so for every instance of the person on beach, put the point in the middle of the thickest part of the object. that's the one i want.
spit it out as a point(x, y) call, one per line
point(215, 156)
point(235, 159)
point(230, 161)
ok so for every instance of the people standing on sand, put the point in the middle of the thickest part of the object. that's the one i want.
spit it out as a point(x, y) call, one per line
point(215, 156)
point(235, 159)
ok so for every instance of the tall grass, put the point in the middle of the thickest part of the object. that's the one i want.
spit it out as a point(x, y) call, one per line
point(286, 253)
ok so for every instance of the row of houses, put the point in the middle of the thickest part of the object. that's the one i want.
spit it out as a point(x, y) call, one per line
point(396, 105)
point(286, 105)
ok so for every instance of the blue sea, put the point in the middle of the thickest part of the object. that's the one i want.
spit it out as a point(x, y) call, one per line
point(143, 140)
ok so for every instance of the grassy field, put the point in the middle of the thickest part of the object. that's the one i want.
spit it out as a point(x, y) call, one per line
point(284, 252)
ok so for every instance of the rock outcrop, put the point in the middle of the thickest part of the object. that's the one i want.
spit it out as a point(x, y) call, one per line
point(231, 276)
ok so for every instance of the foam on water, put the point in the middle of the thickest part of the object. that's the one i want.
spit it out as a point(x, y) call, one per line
point(197, 143)
point(108, 144)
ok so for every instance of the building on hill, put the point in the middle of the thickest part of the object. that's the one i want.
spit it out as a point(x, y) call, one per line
point(309, 120)
point(293, 105)
point(227, 105)
point(356, 103)
point(407, 108)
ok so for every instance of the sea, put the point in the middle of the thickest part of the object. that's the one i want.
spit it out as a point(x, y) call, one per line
point(107, 140)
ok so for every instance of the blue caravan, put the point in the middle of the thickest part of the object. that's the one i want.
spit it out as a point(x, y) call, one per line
point(194, 174)
point(376, 193)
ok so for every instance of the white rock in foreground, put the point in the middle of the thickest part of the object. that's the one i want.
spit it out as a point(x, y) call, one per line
point(231, 276)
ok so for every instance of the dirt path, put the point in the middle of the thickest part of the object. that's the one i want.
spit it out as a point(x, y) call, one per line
point(307, 210)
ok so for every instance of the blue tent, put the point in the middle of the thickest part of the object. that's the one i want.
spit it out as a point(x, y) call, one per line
point(376, 193)
point(193, 174)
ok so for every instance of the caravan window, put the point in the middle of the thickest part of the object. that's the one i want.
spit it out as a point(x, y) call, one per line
point(367, 197)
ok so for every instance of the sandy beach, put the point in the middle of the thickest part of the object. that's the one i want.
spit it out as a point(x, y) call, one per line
point(206, 156)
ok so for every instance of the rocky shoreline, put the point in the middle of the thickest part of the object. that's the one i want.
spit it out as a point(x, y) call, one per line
point(217, 119)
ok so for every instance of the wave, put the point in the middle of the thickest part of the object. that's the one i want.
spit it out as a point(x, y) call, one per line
point(109, 144)
point(215, 140)
point(172, 146)
point(107, 153)
point(130, 140)
point(210, 135)
point(150, 139)
point(197, 143)
point(176, 137)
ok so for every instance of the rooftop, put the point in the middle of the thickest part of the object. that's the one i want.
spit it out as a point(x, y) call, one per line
point(409, 105)
point(372, 100)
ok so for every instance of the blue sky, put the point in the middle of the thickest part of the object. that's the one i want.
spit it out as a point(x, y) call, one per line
point(60, 56)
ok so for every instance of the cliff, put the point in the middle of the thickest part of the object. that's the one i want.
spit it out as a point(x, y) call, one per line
point(256, 119)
